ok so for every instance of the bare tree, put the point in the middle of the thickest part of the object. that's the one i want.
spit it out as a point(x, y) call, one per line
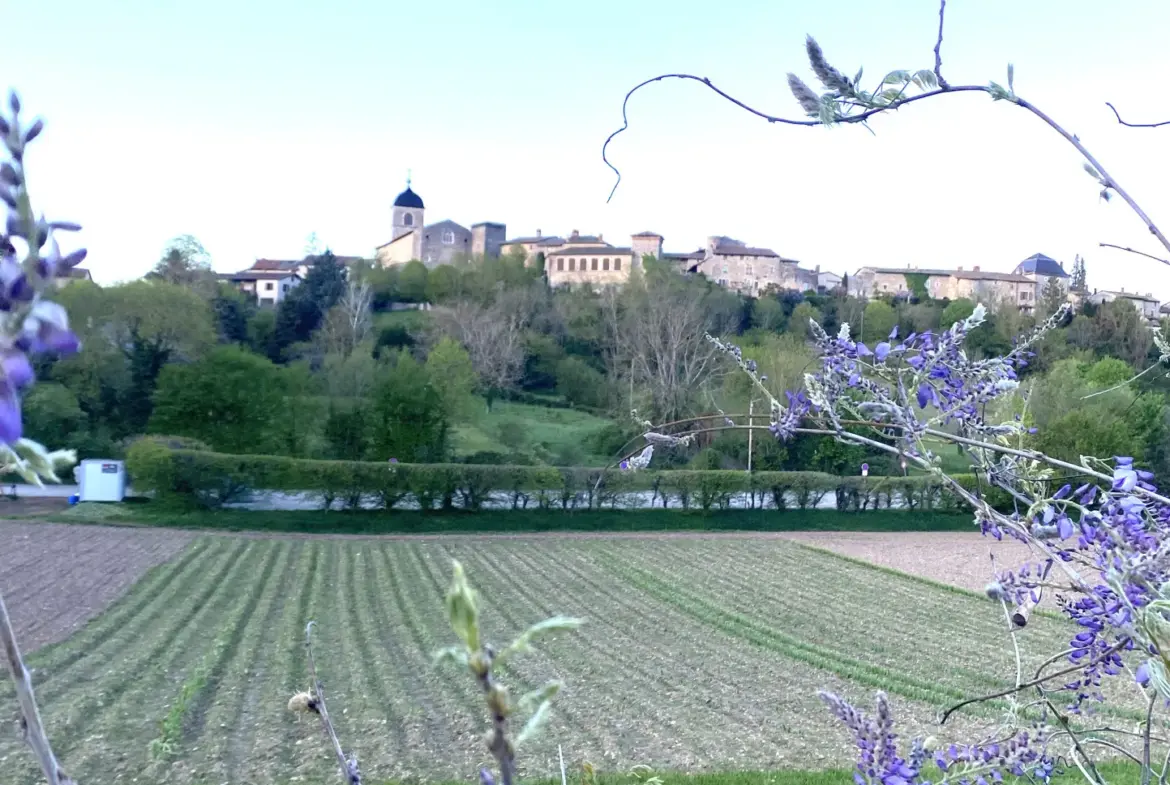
point(348, 324)
point(493, 336)
point(655, 332)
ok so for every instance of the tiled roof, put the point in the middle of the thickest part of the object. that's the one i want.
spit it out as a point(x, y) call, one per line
point(259, 275)
point(648, 234)
point(725, 249)
point(1149, 298)
point(577, 250)
point(1039, 264)
point(981, 275)
point(699, 254)
point(904, 270)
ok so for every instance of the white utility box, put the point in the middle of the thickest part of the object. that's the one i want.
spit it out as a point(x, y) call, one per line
point(101, 480)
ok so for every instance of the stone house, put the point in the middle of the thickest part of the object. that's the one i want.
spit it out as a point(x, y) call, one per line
point(603, 265)
point(434, 244)
point(939, 284)
point(538, 244)
point(1146, 304)
point(751, 271)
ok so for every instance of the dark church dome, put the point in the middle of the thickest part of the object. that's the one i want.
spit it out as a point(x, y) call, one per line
point(409, 198)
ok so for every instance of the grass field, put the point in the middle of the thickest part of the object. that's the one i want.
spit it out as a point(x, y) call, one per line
point(698, 654)
point(561, 436)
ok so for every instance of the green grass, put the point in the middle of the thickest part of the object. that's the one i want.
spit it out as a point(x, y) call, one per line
point(699, 656)
point(514, 521)
point(561, 436)
point(412, 320)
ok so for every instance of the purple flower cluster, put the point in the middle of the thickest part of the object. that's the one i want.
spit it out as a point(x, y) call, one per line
point(879, 761)
point(34, 325)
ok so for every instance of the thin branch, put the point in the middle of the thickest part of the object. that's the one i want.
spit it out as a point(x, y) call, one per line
point(853, 119)
point(942, 9)
point(349, 769)
point(30, 715)
point(1146, 770)
point(1134, 125)
point(1037, 681)
point(1139, 253)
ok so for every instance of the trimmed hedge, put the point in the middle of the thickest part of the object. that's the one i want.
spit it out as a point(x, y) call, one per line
point(212, 479)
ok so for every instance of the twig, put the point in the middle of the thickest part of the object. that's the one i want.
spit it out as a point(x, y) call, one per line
point(561, 755)
point(942, 9)
point(1146, 770)
point(30, 715)
point(1139, 253)
point(1037, 681)
point(1134, 125)
point(349, 767)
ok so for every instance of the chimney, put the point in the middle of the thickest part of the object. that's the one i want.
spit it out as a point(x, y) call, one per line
point(600, 237)
point(975, 268)
point(537, 234)
point(960, 268)
point(574, 235)
point(1123, 290)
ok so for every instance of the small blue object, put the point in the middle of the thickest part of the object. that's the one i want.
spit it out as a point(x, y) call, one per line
point(74, 499)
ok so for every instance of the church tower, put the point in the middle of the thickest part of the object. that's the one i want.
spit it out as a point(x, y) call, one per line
point(407, 216)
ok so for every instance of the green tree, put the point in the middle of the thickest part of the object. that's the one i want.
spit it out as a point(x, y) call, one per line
point(799, 321)
point(1052, 297)
point(878, 322)
point(581, 384)
point(231, 400)
point(956, 311)
point(1119, 330)
point(347, 432)
point(185, 262)
point(542, 353)
point(768, 314)
point(412, 282)
point(233, 310)
point(409, 422)
point(52, 415)
point(1079, 282)
point(303, 310)
point(443, 282)
point(452, 374)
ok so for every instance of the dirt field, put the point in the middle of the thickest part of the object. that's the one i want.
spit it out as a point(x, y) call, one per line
point(55, 577)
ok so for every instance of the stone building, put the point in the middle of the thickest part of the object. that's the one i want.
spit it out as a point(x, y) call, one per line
point(751, 271)
point(1146, 304)
point(434, 244)
point(267, 287)
point(588, 259)
point(939, 284)
point(538, 244)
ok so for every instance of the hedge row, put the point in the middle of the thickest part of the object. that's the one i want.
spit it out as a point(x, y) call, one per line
point(213, 479)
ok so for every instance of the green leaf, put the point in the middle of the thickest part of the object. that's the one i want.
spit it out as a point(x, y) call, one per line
point(926, 79)
point(1012, 77)
point(1092, 172)
point(857, 79)
point(534, 724)
point(453, 654)
point(524, 641)
point(897, 77)
point(461, 608)
point(889, 96)
point(544, 694)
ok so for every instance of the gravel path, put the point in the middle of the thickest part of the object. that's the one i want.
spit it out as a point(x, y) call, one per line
point(55, 577)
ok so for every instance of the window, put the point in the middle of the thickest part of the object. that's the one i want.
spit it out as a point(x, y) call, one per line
point(747, 269)
point(268, 286)
point(725, 269)
point(617, 264)
point(448, 237)
point(605, 263)
point(593, 266)
point(284, 287)
point(572, 264)
point(408, 220)
point(560, 265)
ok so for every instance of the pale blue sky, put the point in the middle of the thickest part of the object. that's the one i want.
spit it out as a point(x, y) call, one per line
point(251, 124)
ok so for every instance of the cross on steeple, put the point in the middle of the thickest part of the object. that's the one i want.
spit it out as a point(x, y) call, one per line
point(407, 178)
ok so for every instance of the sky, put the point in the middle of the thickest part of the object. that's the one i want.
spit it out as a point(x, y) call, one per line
point(252, 124)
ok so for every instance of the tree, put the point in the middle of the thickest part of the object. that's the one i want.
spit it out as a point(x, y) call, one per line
point(1079, 281)
point(348, 324)
point(1119, 330)
point(408, 419)
point(52, 414)
point(581, 384)
point(655, 331)
point(300, 313)
point(956, 311)
point(312, 245)
point(347, 431)
point(494, 338)
point(443, 282)
point(1052, 297)
point(800, 322)
point(412, 282)
point(231, 400)
point(878, 322)
point(185, 262)
point(453, 375)
point(233, 309)
point(768, 314)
